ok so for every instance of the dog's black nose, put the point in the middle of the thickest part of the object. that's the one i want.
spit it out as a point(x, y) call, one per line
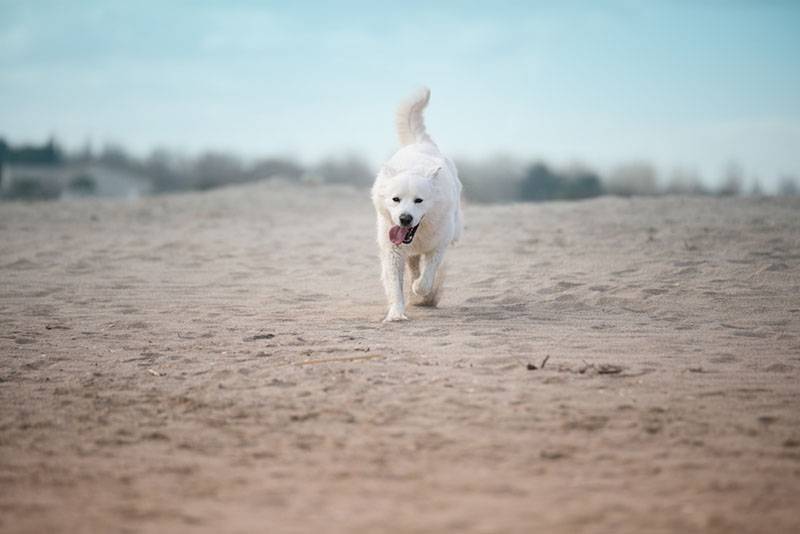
point(405, 219)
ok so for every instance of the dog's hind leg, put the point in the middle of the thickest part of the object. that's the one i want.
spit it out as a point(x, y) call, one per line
point(392, 266)
point(432, 299)
point(413, 267)
point(428, 285)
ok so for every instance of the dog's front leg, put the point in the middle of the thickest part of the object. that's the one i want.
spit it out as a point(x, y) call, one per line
point(392, 264)
point(423, 285)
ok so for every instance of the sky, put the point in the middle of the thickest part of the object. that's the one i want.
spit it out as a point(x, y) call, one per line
point(691, 85)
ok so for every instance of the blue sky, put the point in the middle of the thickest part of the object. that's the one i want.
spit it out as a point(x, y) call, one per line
point(689, 84)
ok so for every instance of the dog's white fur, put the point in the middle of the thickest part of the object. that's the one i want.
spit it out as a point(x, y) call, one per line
point(418, 170)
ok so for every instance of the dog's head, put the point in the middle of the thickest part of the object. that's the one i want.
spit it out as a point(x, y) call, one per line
point(406, 196)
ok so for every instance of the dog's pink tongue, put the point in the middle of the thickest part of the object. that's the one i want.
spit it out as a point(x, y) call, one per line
point(397, 234)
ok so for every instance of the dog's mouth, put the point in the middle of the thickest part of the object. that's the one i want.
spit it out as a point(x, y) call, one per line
point(402, 235)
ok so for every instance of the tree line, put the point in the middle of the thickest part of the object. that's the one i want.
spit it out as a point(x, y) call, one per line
point(498, 179)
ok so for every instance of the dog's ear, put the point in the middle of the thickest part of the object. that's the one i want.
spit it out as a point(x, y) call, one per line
point(433, 172)
point(387, 172)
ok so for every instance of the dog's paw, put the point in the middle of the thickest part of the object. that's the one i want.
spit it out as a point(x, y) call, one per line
point(422, 287)
point(395, 315)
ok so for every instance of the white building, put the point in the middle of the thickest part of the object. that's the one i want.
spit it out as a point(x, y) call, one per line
point(20, 180)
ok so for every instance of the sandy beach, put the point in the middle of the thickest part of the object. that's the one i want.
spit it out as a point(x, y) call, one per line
point(216, 362)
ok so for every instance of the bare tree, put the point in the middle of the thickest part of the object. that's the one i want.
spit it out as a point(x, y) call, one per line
point(685, 182)
point(732, 181)
point(349, 170)
point(213, 169)
point(788, 186)
point(635, 178)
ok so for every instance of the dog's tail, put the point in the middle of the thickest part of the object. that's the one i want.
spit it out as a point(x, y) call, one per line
point(409, 121)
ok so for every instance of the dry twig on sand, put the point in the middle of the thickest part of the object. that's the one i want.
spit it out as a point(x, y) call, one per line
point(339, 360)
point(532, 366)
point(608, 369)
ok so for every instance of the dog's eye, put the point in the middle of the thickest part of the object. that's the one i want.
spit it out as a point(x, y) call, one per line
point(417, 200)
point(396, 199)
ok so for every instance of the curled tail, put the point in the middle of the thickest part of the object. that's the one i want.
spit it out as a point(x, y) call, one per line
point(409, 121)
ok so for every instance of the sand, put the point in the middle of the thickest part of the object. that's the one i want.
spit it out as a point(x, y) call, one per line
point(215, 362)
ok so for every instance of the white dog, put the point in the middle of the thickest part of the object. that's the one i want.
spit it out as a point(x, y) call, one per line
point(417, 197)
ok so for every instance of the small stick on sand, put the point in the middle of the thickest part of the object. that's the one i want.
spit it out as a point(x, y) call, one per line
point(532, 366)
point(335, 360)
point(609, 369)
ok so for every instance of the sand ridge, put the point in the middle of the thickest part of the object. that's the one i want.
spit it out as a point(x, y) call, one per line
point(216, 362)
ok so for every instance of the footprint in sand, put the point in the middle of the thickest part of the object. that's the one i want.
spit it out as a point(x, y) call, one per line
point(486, 282)
point(559, 288)
point(724, 358)
point(600, 288)
point(654, 291)
point(22, 264)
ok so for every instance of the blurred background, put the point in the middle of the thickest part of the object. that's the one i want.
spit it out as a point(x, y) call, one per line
point(534, 100)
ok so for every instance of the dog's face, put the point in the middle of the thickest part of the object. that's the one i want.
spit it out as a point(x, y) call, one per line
point(406, 196)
